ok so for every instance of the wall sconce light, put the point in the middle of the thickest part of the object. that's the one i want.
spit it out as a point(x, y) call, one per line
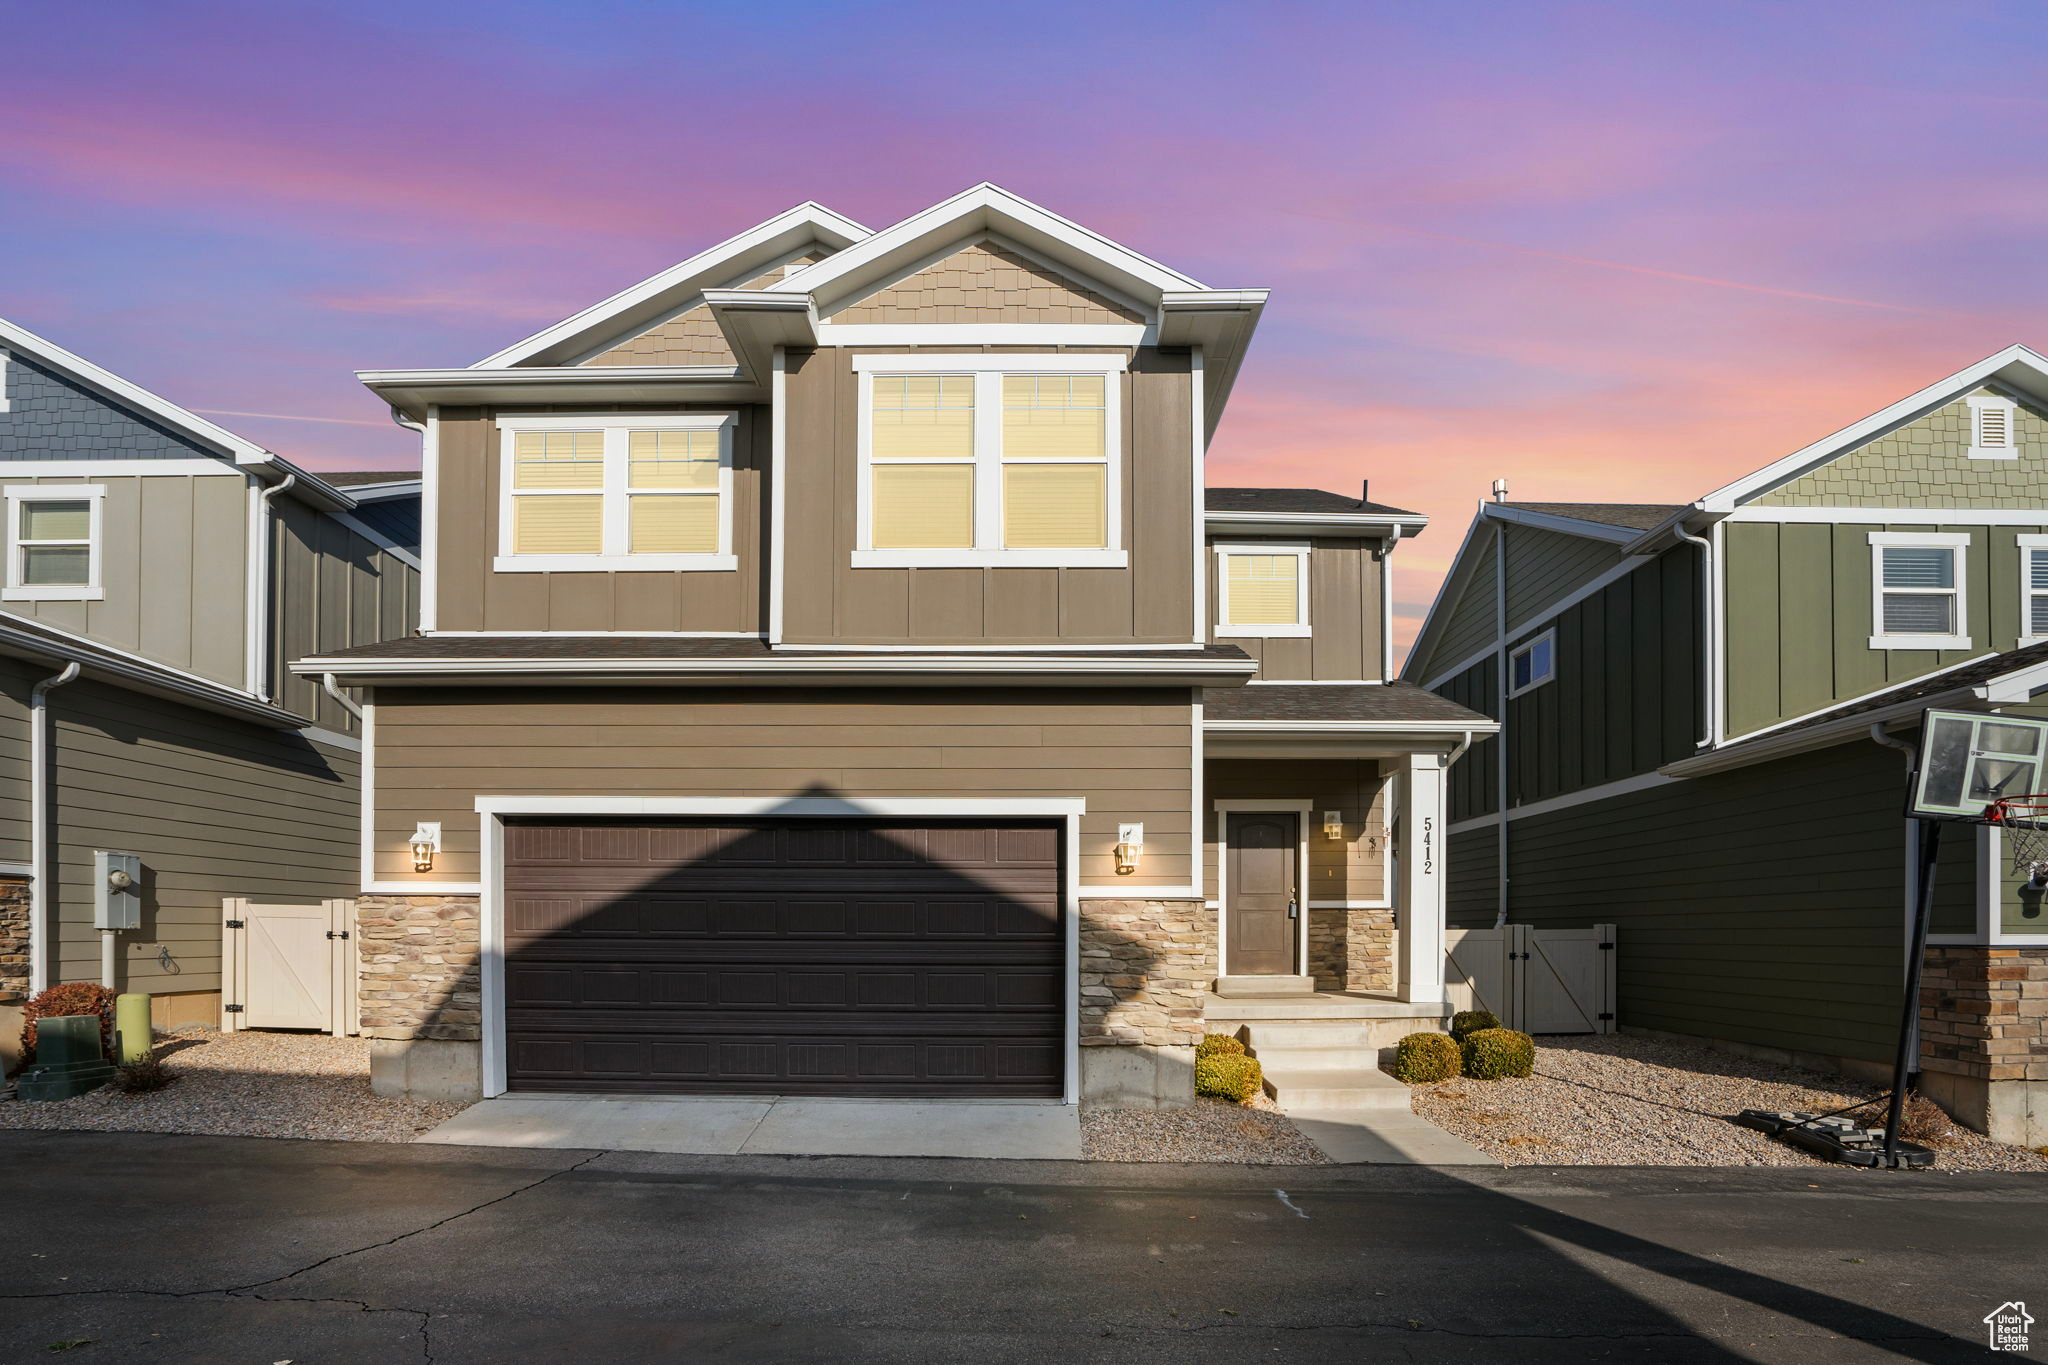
point(1130, 846)
point(425, 843)
point(1333, 824)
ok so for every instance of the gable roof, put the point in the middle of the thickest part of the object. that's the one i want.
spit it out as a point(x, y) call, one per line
point(1634, 516)
point(265, 464)
point(727, 264)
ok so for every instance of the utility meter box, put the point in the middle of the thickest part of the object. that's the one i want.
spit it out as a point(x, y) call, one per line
point(117, 890)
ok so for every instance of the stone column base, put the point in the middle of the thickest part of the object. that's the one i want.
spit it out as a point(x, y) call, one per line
point(426, 1069)
point(2004, 1111)
point(1137, 1076)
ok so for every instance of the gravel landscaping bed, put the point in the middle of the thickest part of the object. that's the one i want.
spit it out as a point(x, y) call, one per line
point(284, 1085)
point(1208, 1130)
point(1623, 1100)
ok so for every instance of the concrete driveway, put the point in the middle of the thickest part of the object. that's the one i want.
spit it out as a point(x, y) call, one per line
point(769, 1126)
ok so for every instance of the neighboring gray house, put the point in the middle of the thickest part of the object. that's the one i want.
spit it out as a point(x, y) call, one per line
point(1702, 706)
point(158, 573)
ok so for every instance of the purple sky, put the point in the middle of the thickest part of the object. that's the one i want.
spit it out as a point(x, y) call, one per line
point(1620, 252)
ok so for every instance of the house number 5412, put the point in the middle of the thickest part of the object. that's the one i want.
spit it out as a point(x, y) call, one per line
point(1428, 845)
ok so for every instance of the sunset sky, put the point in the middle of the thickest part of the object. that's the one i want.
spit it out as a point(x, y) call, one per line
point(1616, 252)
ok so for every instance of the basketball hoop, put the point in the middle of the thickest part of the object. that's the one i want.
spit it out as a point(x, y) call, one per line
point(2024, 820)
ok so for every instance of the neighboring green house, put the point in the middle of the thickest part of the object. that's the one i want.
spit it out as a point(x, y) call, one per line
point(1707, 715)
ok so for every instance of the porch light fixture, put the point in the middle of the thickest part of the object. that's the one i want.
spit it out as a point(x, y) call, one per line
point(1130, 845)
point(1333, 824)
point(425, 842)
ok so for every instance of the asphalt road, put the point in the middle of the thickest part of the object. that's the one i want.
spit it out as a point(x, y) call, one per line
point(229, 1250)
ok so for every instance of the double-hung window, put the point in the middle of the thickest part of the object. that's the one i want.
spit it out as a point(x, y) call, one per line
point(53, 543)
point(1261, 591)
point(2033, 589)
point(616, 493)
point(972, 460)
point(1919, 596)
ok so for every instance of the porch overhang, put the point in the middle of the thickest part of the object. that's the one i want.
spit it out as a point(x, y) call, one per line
point(412, 392)
point(1340, 739)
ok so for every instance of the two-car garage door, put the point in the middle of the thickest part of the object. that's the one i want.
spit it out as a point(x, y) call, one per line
point(803, 957)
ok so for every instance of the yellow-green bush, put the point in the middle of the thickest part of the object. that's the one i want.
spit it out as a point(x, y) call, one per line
point(1219, 1044)
point(1493, 1053)
point(1424, 1057)
point(1471, 1021)
point(1228, 1076)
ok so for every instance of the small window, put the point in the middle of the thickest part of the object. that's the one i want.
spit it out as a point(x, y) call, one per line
point(617, 493)
point(2033, 589)
point(1532, 664)
point(1918, 588)
point(1263, 590)
point(53, 543)
point(1992, 434)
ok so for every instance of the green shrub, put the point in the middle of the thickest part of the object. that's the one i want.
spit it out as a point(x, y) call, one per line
point(1424, 1057)
point(1219, 1045)
point(1228, 1076)
point(1493, 1053)
point(1471, 1021)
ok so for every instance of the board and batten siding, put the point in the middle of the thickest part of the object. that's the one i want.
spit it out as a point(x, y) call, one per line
point(1547, 566)
point(1127, 752)
point(473, 596)
point(1471, 878)
point(335, 589)
point(1344, 611)
point(173, 569)
point(1475, 778)
point(213, 807)
point(1349, 869)
point(827, 601)
point(1799, 615)
point(1764, 905)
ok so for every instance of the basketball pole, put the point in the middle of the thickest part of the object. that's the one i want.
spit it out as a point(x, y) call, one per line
point(1906, 1069)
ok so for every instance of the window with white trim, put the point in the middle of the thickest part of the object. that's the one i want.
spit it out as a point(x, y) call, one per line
point(1532, 663)
point(1918, 590)
point(2033, 589)
point(1992, 434)
point(651, 493)
point(989, 460)
point(1261, 591)
point(53, 543)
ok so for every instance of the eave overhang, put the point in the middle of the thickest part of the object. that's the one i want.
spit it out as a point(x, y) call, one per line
point(967, 670)
point(412, 392)
point(141, 676)
point(1339, 739)
point(1372, 524)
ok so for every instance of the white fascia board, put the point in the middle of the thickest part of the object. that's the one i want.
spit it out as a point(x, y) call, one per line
point(1189, 672)
point(756, 321)
point(810, 806)
point(145, 675)
point(705, 268)
point(1903, 516)
point(1381, 524)
point(414, 391)
point(987, 207)
point(197, 467)
point(384, 492)
point(2022, 362)
point(1477, 728)
point(1570, 526)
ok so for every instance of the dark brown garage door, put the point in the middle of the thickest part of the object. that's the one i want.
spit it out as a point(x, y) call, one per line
point(815, 957)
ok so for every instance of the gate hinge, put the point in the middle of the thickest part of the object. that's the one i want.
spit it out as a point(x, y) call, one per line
point(235, 924)
point(1604, 1016)
point(232, 1009)
point(332, 934)
point(1607, 947)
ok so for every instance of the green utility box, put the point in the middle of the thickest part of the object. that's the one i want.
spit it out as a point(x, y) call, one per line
point(69, 1059)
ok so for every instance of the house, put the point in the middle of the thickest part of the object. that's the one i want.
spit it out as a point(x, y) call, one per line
point(159, 572)
point(1707, 719)
point(833, 679)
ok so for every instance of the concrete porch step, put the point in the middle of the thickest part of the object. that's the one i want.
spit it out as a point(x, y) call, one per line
point(1318, 1034)
point(1321, 1005)
point(1265, 987)
point(1293, 1059)
point(1347, 1088)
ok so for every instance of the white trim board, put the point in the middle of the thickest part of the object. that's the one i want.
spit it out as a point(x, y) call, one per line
point(105, 469)
point(1607, 791)
point(1902, 516)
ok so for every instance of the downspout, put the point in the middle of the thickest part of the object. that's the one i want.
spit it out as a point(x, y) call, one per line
point(1709, 638)
point(257, 681)
point(1500, 759)
point(346, 702)
point(41, 931)
point(1385, 556)
point(430, 509)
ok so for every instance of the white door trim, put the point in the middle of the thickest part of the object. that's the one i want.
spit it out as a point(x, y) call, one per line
point(1269, 805)
point(492, 810)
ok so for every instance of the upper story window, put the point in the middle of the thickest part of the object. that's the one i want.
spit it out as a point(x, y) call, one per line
point(989, 460)
point(1918, 590)
point(1532, 663)
point(2033, 589)
point(1991, 429)
point(1262, 591)
point(616, 492)
point(53, 543)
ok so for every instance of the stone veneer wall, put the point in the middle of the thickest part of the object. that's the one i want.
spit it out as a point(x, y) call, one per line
point(1984, 1013)
point(14, 962)
point(1351, 950)
point(1146, 968)
point(419, 959)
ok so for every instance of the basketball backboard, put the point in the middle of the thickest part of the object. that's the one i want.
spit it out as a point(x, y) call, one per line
point(1969, 760)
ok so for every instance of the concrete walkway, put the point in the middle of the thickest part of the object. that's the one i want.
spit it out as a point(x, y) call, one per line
point(1384, 1137)
point(768, 1126)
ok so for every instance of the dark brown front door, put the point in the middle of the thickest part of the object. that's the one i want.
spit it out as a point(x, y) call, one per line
point(814, 957)
point(1261, 896)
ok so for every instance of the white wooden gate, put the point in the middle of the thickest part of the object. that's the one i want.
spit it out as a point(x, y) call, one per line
point(288, 966)
point(1535, 980)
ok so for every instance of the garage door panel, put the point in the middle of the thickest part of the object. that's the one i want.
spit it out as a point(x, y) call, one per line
point(819, 957)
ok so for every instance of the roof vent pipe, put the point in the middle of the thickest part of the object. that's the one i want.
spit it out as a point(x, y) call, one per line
point(1500, 490)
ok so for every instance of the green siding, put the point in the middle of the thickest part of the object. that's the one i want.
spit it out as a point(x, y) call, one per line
point(1471, 879)
point(2015, 915)
point(1475, 777)
point(1469, 625)
point(1548, 566)
point(1926, 463)
point(1765, 906)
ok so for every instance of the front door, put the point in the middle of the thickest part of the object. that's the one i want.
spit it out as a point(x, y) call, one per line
point(1262, 892)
